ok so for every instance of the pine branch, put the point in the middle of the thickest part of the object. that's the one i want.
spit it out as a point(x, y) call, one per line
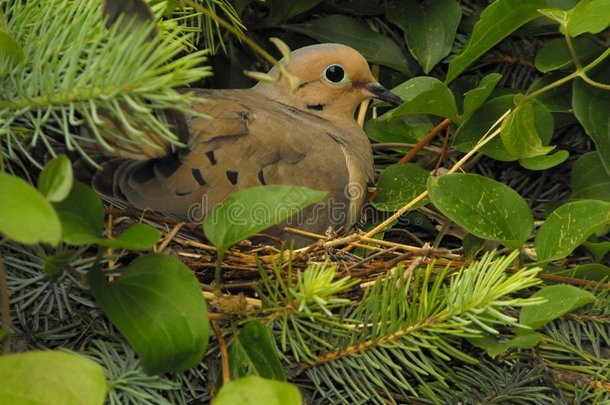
point(77, 72)
point(492, 383)
point(404, 331)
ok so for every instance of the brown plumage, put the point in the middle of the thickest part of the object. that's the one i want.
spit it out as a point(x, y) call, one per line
point(267, 134)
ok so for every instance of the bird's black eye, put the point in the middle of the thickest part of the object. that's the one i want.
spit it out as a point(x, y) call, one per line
point(334, 73)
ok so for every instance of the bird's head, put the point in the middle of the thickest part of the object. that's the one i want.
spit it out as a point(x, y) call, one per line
point(333, 80)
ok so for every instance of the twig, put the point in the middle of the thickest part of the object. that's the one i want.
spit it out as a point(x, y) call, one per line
point(170, 236)
point(5, 309)
point(224, 355)
point(420, 145)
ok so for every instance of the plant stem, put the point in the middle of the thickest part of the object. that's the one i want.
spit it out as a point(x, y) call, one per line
point(224, 355)
point(5, 309)
point(218, 272)
point(578, 73)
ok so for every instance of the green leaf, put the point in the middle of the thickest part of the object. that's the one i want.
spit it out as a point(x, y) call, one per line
point(589, 179)
point(375, 47)
point(473, 99)
point(489, 209)
point(25, 215)
point(136, 237)
point(57, 263)
point(599, 250)
point(256, 390)
point(569, 226)
point(252, 210)
point(398, 184)
point(496, 22)
point(472, 246)
point(56, 179)
point(471, 130)
point(591, 271)
point(82, 216)
point(494, 346)
point(157, 304)
point(560, 299)
point(556, 55)
point(544, 162)
point(591, 106)
point(519, 132)
point(589, 16)
point(239, 364)
point(429, 28)
point(258, 345)
point(45, 377)
point(407, 129)
point(10, 50)
point(425, 95)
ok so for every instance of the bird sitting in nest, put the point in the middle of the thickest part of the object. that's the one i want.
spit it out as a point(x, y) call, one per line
point(267, 134)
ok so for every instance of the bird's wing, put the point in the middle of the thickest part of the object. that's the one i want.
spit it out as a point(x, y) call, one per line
point(249, 141)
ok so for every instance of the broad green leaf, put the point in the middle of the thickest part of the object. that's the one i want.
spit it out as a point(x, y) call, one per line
point(254, 390)
point(591, 271)
point(589, 179)
point(556, 14)
point(569, 226)
point(375, 47)
point(591, 106)
point(494, 346)
point(473, 99)
point(482, 206)
point(599, 250)
point(255, 209)
point(82, 215)
point(82, 218)
point(10, 49)
point(589, 16)
point(25, 215)
point(560, 299)
point(398, 184)
point(429, 27)
point(556, 55)
point(417, 219)
point(472, 246)
point(239, 364)
point(263, 355)
point(407, 129)
point(425, 95)
point(473, 129)
point(137, 236)
point(496, 22)
point(157, 305)
point(51, 377)
point(519, 132)
point(543, 162)
point(57, 263)
point(56, 179)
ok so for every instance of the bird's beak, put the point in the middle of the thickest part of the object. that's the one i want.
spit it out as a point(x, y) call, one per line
point(381, 93)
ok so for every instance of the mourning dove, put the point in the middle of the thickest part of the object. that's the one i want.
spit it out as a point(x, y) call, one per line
point(267, 134)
